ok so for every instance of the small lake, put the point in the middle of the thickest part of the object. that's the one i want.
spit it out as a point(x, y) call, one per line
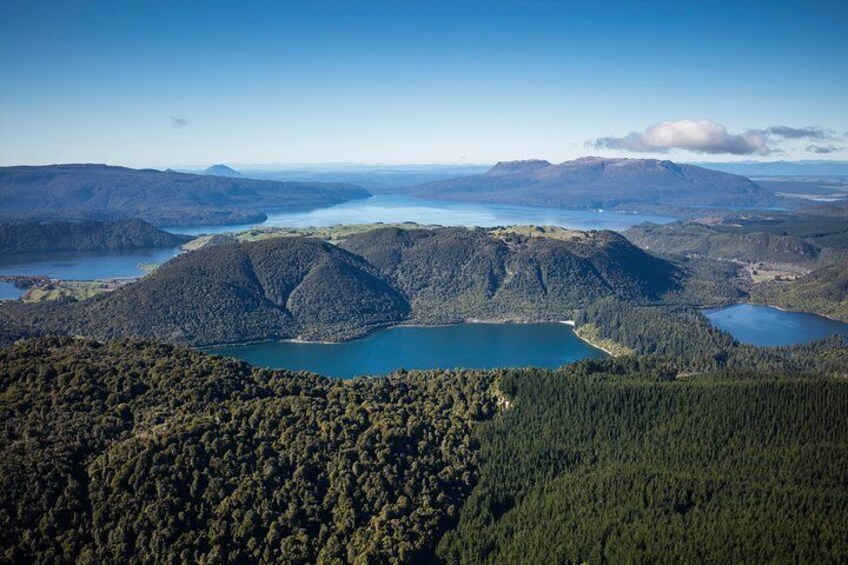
point(401, 208)
point(8, 291)
point(764, 325)
point(472, 346)
point(84, 265)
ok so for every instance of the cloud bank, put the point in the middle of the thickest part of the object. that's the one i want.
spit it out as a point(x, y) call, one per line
point(705, 136)
point(824, 148)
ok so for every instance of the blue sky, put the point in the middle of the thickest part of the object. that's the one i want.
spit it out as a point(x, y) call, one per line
point(195, 83)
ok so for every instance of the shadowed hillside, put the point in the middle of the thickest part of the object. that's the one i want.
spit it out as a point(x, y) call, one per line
point(84, 236)
point(102, 192)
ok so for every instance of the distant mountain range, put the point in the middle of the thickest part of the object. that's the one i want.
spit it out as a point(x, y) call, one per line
point(781, 168)
point(102, 192)
point(595, 182)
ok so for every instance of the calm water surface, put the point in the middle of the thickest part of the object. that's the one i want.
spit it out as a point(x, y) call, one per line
point(8, 291)
point(764, 325)
point(480, 346)
point(399, 208)
point(78, 265)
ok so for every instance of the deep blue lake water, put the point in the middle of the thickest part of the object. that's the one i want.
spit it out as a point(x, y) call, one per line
point(77, 265)
point(400, 208)
point(764, 325)
point(8, 291)
point(481, 346)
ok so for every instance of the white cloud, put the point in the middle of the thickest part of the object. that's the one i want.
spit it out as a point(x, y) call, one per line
point(705, 136)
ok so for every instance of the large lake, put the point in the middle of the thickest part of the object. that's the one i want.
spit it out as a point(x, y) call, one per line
point(480, 346)
point(77, 265)
point(400, 208)
point(764, 325)
point(387, 209)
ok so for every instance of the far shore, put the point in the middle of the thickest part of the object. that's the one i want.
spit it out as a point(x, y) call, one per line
point(300, 340)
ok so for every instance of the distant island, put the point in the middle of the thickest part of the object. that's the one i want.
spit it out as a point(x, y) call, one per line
point(102, 192)
point(84, 236)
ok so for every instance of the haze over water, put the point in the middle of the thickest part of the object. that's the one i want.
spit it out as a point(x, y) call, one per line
point(400, 208)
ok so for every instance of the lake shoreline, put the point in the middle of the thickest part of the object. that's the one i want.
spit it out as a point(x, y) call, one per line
point(483, 346)
point(371, 332)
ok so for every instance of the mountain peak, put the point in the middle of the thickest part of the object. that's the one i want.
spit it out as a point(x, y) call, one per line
point(222, 171)
point(518, 167)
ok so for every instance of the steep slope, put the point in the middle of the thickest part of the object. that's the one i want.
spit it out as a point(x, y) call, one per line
point(102, 192)
point(84, 236)
point(454, 273)
point(595, 182)
point(280, 288)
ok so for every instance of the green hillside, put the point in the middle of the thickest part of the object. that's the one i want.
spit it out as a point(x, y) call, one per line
point(289, 287)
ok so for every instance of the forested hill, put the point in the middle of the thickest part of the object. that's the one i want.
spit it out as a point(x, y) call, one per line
point(452, 273)
point(129, 452)
point(595, 182)
point(302, 287)
point(137, 453)
point(101, 192)
point(824, 292)
point(810, 237)
point(84, 236)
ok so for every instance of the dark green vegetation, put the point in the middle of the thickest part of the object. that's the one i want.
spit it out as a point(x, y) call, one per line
point(688, 343)
point(453, 274)
point(84, 236)
point(304, 287)
point(100, 192)
point(809, 237)
point(614, 462)
point(136, 452)
point(272, 289)
point(594, 182)
point(131, 453)
point(823, 292)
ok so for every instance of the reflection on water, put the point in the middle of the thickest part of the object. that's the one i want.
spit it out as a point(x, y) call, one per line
point(481, 346)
